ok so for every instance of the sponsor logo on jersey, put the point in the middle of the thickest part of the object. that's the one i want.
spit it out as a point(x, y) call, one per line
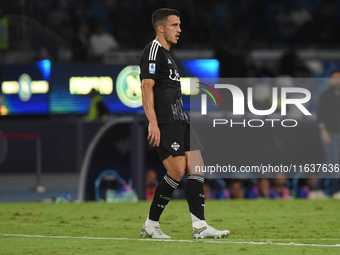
point(152, 68)
point(169, 62)
point(174, 75)
point(175, 146)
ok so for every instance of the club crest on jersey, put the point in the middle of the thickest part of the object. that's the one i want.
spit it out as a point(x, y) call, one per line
point(169, 62)
point(175, 146)
point(152, 68)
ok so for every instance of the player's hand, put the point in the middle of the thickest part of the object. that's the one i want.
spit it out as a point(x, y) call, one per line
point(326, 138)
point(154, 136)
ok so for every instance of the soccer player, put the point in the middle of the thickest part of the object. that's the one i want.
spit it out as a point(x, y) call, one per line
point(169, 130)
point(329, 124)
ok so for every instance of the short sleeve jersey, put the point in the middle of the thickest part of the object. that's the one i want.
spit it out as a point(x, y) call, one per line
point(157, 64)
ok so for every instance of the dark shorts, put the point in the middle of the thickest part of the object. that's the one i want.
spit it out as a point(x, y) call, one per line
point(176, 139)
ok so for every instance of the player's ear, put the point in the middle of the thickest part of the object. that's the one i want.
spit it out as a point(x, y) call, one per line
point(160, 28)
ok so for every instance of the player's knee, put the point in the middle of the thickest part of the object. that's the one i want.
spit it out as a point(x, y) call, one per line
point(177, 174)
point(176, 168)
point(181, 172)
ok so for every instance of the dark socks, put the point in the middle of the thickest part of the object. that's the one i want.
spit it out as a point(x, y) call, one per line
point(162, 197)
point(194, 193)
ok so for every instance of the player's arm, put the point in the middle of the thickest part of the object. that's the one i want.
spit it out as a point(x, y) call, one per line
point(324, 133)
point(149, 109)
point(321, 112)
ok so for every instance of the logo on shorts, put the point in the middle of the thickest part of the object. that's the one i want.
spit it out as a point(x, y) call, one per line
point(152, 68)
point(165, 198)
point(175, 146)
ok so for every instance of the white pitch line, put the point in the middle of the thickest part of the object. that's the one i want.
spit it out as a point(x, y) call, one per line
point(173, 240)
point(296, 239)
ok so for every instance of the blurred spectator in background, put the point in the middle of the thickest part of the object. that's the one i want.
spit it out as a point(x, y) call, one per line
point(81, 14)
point(190, 16)
point(310, 189)
point(126, 31)
point(214, 188)
point(283, 23)
point(261, 190)
point(97, 108)
point(150, 184)
point(100, 12)
point(222, 54)
point(234, 190)
point(290, 62)
point(253, 67)
point(2, 102)
point(3, 31)
point(223, 21)
point(263, 23)
point(59, 20)
point(232, 60)
point(279, 187)
point(80, 44)
point(217, 189)
point(102, 43)
point(327, 21)
point(2, 98)
point(328, 114)
point(301, 19)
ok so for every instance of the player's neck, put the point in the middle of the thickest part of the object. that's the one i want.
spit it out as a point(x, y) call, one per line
point(163, 42)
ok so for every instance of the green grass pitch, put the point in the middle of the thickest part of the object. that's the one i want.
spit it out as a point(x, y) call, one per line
point(257, 227)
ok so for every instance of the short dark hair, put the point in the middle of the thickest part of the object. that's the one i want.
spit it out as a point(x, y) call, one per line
point(334, 71)
point(162, 14)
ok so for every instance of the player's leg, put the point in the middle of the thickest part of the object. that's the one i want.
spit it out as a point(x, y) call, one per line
point(195, 187)
point(194, 191)
point(196, 198)
point(175, 166)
